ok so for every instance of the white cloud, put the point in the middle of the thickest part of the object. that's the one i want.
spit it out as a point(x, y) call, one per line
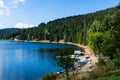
point(1, 3)
point(18, 1)
point(21, 25)
point(4, 10)
point(22, 1)
point(14, 3)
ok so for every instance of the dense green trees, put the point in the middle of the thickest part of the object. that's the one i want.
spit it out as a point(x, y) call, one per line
point(104, 37)
point(73, 29)
point(99, 30)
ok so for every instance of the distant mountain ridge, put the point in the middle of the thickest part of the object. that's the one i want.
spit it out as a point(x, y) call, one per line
point(5, 30)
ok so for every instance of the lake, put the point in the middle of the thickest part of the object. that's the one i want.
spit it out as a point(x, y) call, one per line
point(26, 61)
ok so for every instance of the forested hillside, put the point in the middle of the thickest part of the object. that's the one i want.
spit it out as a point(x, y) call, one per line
point(73, 29)
point(100, 30)
point(8, 33)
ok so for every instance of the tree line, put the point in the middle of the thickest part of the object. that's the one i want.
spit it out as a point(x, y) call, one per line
point(99, 30)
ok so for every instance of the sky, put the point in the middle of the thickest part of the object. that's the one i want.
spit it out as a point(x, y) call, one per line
point(29, 13)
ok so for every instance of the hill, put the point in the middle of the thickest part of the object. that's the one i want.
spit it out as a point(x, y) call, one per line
point(8, 33)
point(5, 30)
point(99, 30)
point(73, 29)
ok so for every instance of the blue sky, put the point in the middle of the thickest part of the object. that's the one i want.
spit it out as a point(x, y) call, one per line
point(27, 13)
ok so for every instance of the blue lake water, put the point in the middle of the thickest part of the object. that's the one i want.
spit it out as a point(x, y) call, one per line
point(25, 61)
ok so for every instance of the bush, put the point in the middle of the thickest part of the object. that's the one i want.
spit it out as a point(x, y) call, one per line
point(50, 76)
point(109, 78)
point(117, 62)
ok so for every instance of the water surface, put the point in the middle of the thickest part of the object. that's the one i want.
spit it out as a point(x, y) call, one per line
point(24, 61)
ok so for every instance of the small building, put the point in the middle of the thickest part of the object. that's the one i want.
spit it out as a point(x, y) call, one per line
point(16, 38)
point(78, 52)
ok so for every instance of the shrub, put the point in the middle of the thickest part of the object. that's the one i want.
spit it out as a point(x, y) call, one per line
point(50, 76)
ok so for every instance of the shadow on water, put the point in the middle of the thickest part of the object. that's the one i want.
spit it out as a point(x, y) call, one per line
point(57, 51)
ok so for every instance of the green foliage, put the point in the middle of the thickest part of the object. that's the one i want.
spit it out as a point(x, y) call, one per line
point(109, 78)
point(50, 76)
point(73, 29)
point(8, 33)
point(95, 26)
point(65, 61)
point(95, 40)
point(104, 37)
point(117, 62)
point(99, 30)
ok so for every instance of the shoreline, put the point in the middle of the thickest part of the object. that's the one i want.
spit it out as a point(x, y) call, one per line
point(89, 66)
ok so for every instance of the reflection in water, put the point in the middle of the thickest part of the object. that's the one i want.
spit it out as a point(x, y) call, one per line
point(24, 61)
